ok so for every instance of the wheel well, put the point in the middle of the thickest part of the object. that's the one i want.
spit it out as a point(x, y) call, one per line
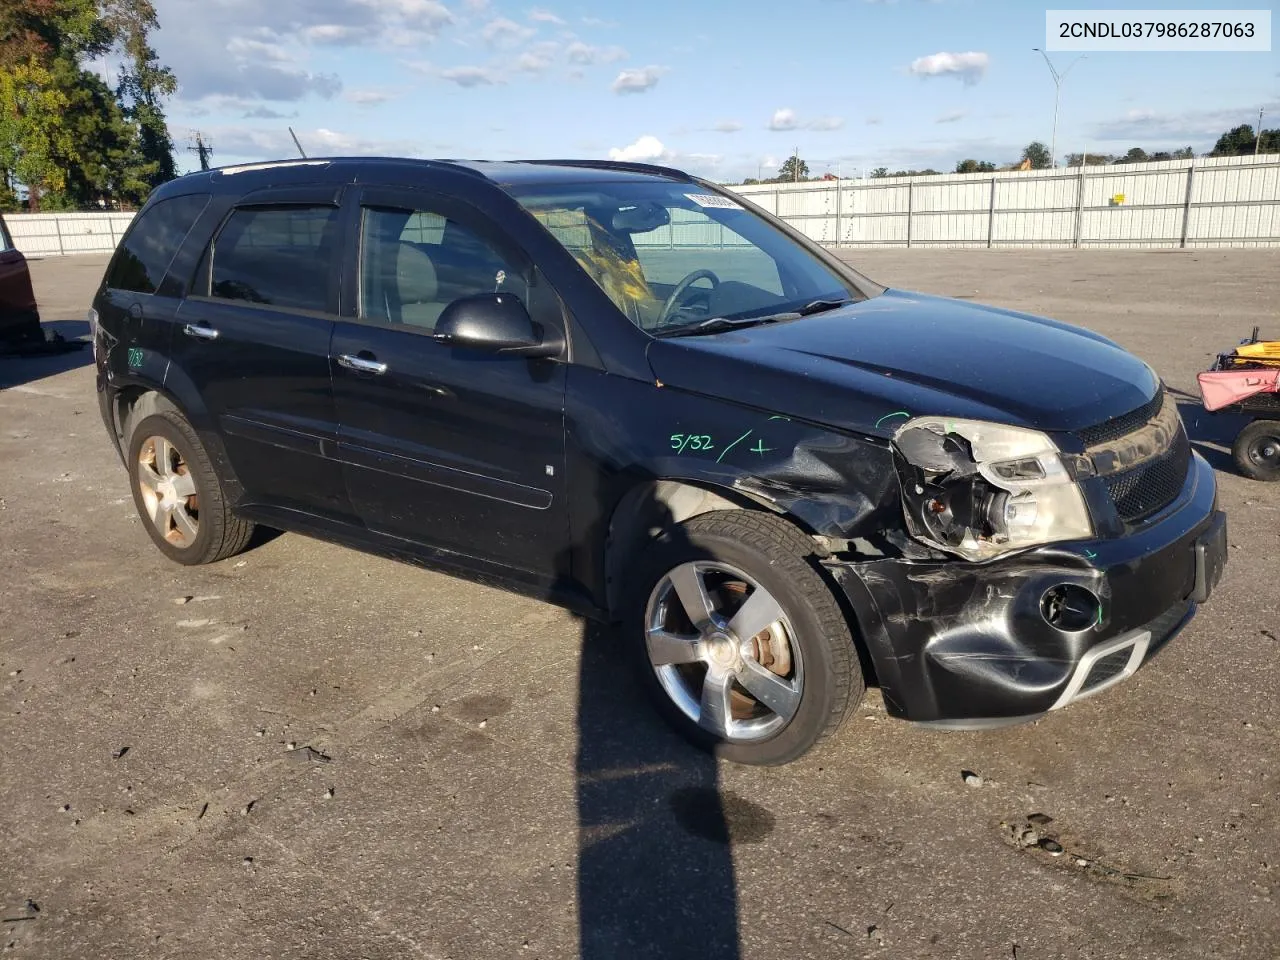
point(647, 510)
point(132, 404)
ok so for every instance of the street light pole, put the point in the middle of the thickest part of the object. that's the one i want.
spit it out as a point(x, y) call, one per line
point(1057, 93)
point(1257, 141)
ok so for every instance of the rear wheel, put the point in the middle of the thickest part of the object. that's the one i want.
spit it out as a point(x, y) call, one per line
point(1257, 450)
point(740, 640)
point(179, 495)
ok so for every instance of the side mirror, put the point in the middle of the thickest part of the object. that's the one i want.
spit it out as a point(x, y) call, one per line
point(494, 323)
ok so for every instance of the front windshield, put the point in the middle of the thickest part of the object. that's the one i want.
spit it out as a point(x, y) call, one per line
point(673, 256)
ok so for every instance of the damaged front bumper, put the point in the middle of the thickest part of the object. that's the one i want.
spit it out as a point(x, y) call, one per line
point(980, 644)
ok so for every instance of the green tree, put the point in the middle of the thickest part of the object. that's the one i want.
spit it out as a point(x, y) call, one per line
point(975, 166)
point(1037, 154)
point(1090, 159)
point(110, 172)
point(793, 168)
point(114, 145)
point(46, 28)
point(879, 173)
point(144, 86)
point(1186, 153)
point(1241, 141)
point(1236, 142)
point(1135, 155)
point(34, 141)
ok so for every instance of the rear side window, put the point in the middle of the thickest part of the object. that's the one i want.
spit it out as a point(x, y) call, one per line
point(152, 242)
point(278, 256)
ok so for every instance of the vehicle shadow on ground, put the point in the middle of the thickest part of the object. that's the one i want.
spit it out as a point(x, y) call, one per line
point(655, 862)
point(1212, 434)
point(23, 365)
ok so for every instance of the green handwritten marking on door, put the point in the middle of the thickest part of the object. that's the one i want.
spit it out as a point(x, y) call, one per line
point(135, 357)
point(890, 416)
point(761, 449)
point(732, 445)
point(691, 441)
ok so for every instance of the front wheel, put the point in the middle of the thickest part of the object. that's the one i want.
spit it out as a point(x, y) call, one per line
point(740, 640)
point(1257, 450)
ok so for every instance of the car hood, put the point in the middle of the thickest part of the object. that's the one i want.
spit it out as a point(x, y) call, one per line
point(867, 366)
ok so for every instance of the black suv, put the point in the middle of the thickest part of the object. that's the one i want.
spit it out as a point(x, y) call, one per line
point(625, 390)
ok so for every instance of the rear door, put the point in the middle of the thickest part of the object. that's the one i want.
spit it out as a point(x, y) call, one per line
point(136, 309)
point(449, 447)
point(253, 340)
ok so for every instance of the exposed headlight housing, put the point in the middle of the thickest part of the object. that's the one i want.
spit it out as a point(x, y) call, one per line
point(980, 489)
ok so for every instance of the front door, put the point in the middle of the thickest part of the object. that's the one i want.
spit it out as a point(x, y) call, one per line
point(453, 448)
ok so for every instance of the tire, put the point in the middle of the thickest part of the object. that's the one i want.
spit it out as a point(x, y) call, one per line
point(178, 494)
point(1257, 450)
point(803, 661)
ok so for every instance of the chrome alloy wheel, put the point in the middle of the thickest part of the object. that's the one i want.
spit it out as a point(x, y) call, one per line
point(724, 651)
point(168, 492)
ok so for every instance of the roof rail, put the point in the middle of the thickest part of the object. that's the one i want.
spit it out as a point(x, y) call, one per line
point(458, 166)
point(614, 165)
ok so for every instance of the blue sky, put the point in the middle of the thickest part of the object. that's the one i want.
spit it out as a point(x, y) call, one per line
point(721, 87)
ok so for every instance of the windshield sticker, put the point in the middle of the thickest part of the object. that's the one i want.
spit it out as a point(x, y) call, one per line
point(713, 200)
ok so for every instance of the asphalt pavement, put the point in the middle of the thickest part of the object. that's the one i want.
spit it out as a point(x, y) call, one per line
point(306, 751)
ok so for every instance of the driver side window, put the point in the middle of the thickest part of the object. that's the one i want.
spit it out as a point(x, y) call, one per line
point(414, 263)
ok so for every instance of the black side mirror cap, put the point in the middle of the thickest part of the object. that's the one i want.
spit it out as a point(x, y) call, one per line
point(494, 323)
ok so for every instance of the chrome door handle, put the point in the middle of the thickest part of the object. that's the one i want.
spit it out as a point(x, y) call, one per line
point(200, 331)
point(361, 365)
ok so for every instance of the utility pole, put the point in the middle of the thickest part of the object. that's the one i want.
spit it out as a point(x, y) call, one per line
point(1057, 93)
point(1257, 141)
point(203, 149)
point(795, 167)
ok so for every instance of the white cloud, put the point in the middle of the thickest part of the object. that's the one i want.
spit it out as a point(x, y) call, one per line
point(727, 126)
point(266, 113)
point(256, 49)
point(645, 148)
point(274, 143)
point(874, 121)
point(539, 15)
point(503, 32)
point(784, 119)
point(952, 117)
point(259, 52)
point(367, 98)
point(1201, 127)
point(969, 67)
point(476, 6)
point(586, 55)
point(529, 62)
point(637, 80)
point(470, 76)
point(332, 34)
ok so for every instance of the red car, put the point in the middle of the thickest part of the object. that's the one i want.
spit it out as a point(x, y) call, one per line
point(19, 318)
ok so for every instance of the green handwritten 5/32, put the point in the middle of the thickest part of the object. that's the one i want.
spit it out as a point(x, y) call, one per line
point(680, 442)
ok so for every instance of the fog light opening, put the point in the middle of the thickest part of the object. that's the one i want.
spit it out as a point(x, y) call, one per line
point(1070, 608)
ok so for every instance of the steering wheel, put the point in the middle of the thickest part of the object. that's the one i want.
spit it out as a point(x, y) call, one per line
point(669, 307)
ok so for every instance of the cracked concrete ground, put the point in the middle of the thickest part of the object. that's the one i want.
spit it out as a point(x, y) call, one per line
point(495, 788)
